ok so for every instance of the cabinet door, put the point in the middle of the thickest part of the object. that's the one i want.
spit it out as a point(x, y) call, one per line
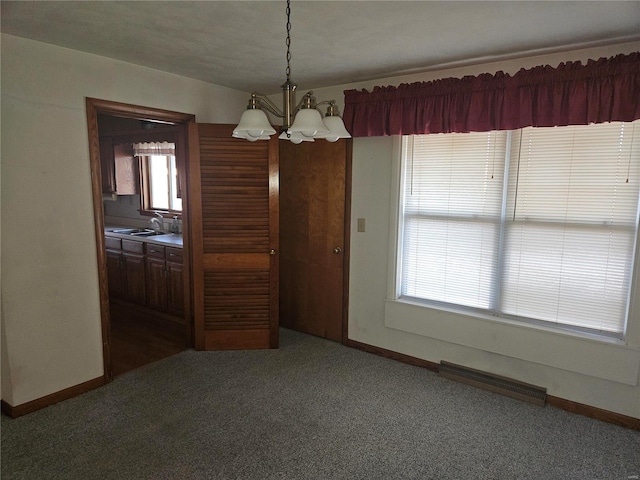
point(126, 170)
point(114, 274)
point(175, 288)
point(135, 277)
point(156, 283)
point(107, 166)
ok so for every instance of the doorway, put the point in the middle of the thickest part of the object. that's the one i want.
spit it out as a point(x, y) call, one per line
point(132, 335)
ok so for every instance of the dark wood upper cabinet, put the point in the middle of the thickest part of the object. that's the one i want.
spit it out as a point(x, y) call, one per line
point(126, 169)
point(119, 168)
point(107, 166)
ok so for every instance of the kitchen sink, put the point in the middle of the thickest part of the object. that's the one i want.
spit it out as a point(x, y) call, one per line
point(149, 233)
point(139, 232)
point(127, 231)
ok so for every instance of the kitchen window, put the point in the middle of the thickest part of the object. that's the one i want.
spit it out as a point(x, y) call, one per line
point(159, 177)
point(537, 224)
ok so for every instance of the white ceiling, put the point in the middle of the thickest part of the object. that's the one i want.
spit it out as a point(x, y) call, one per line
point(241, 44)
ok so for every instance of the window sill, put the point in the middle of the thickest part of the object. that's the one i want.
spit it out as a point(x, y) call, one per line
point(601, 357)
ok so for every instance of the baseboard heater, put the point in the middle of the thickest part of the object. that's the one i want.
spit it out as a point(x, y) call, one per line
point(494, 383)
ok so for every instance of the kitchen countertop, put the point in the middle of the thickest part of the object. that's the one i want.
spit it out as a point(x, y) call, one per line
point(170, 239)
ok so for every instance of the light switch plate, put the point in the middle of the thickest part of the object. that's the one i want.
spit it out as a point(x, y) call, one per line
point(361, 227)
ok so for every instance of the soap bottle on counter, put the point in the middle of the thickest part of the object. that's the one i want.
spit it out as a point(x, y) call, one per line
point(175, 225)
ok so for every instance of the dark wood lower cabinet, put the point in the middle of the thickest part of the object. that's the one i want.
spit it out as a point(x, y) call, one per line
point(114, 274)
point(135, 279)
point(156, 281)
point(175, 288)
point(165, 282)
point(146, 275)
point(126, 269)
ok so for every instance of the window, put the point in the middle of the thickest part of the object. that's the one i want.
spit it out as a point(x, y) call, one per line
point(538, 224)
point(159, 177)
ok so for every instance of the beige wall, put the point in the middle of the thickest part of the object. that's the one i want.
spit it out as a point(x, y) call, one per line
point(51, 337)
point(584, 370)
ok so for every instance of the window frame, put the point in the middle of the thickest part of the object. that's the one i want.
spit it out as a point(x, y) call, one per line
point(395, 262)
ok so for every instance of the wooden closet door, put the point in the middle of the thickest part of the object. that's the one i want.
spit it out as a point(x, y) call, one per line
point(314, 244)
point(234, 224)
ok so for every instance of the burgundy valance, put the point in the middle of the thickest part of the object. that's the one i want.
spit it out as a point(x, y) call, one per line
point(603, 90)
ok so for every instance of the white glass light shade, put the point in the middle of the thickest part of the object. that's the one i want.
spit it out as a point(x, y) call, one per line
point(295, 137)
point(309, 123)
point(254, 122)
point(336, 129)
point(246, 136)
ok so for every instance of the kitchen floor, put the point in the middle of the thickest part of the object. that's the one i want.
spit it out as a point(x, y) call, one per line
point(139, 338)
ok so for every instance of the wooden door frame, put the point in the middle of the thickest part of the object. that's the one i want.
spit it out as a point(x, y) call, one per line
point(94, 107)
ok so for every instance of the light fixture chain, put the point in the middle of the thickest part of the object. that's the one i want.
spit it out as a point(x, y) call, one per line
point(288, 39)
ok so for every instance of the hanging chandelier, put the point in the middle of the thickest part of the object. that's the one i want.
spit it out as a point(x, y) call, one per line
point(300, 123)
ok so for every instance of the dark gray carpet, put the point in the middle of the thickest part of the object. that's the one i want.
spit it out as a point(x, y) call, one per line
point(313, 409)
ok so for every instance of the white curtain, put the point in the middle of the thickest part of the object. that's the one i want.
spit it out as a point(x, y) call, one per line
point(154, 148)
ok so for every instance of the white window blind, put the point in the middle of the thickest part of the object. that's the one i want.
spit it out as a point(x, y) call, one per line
point(571, 225)
point(452, 205)
point(543, 230)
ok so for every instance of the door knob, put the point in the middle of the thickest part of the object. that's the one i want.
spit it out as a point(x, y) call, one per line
point(272, 252)
point(337, 250)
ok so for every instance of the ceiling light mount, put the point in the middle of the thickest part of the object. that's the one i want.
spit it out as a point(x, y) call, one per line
point(300, 122)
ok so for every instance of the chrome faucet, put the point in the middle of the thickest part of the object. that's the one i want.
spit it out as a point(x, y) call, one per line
point(156, 222)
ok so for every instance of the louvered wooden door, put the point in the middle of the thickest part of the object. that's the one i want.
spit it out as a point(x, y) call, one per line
point(234, 234)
